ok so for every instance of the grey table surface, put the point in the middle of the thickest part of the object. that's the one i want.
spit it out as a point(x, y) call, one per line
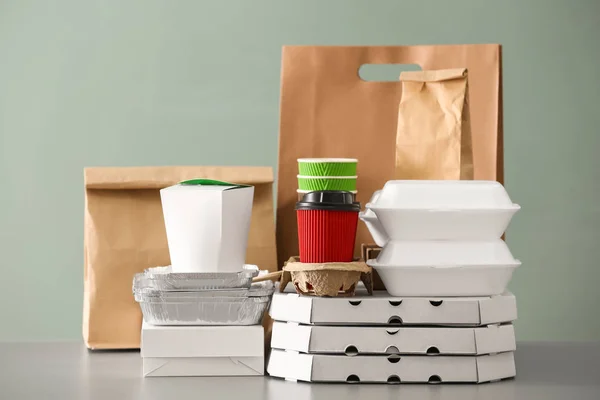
point(69, 371)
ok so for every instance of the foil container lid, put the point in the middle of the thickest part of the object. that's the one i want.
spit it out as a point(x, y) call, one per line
point(258, 290)
point(161, 278)
point(248, 271)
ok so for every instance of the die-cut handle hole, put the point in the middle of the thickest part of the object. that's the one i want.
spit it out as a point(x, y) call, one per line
point(434, 379)
point(395, 303)
point(394, 358)
point(395, 320)
point(351, 351)
point(392, 350)
point(352, 379)
point(392, 332)
point(433, 350)
point(395, 379)
point(354, 302)
point(436, 303)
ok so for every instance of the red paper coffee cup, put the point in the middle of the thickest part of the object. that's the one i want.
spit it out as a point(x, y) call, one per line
point(327, 223)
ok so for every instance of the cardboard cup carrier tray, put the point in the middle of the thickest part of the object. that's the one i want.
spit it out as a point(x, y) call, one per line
point(390, 339)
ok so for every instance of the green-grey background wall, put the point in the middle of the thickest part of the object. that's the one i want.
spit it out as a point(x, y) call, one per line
point(150, 82)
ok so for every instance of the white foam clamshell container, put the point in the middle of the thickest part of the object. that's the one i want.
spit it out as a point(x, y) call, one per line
point(438, 210)
point(359, 340)
point(392, 369)
point(383, 309)
point(451, 281)
point(441, 253)
point(445, 268)
point(456, 195)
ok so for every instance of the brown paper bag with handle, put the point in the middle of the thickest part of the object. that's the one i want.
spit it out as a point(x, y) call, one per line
point(327, 110)
point(434, 127)
point(124, 233)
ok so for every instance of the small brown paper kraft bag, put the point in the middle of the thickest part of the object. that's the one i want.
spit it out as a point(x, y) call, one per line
point(434, 128)
point(124, 233)
point(327, 110)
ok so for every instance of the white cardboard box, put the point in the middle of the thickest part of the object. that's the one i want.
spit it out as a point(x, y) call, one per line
point(382, 309)
point(352, 340)
point(393, 369)
point(202, 350)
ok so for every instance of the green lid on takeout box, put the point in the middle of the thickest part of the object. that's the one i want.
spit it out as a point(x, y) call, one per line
point(212, 182)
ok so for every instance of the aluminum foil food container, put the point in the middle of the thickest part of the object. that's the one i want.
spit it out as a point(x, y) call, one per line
point(257, 290)
point(161, 278)
point(210, 307)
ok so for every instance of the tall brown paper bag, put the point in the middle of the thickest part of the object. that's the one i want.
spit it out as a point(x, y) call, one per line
point(124, 233)
point(434, 127)
point(327, 110)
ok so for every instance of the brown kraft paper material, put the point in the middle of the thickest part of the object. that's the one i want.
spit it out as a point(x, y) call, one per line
point(124, 233)
point(327, 110)
point(434, 129)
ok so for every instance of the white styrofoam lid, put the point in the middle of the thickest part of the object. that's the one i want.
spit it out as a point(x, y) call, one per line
point(445, 253)
point(372, 200)
point(414, 194)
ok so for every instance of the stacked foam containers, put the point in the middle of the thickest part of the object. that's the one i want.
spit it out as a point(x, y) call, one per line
point(442, 238)
point(446, 316)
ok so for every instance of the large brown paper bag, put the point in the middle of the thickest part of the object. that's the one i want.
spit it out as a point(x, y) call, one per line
point(434, 128)
point(327, 110)
point(125, 234)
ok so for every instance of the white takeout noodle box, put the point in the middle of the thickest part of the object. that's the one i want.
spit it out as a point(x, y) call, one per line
point(207, 224)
